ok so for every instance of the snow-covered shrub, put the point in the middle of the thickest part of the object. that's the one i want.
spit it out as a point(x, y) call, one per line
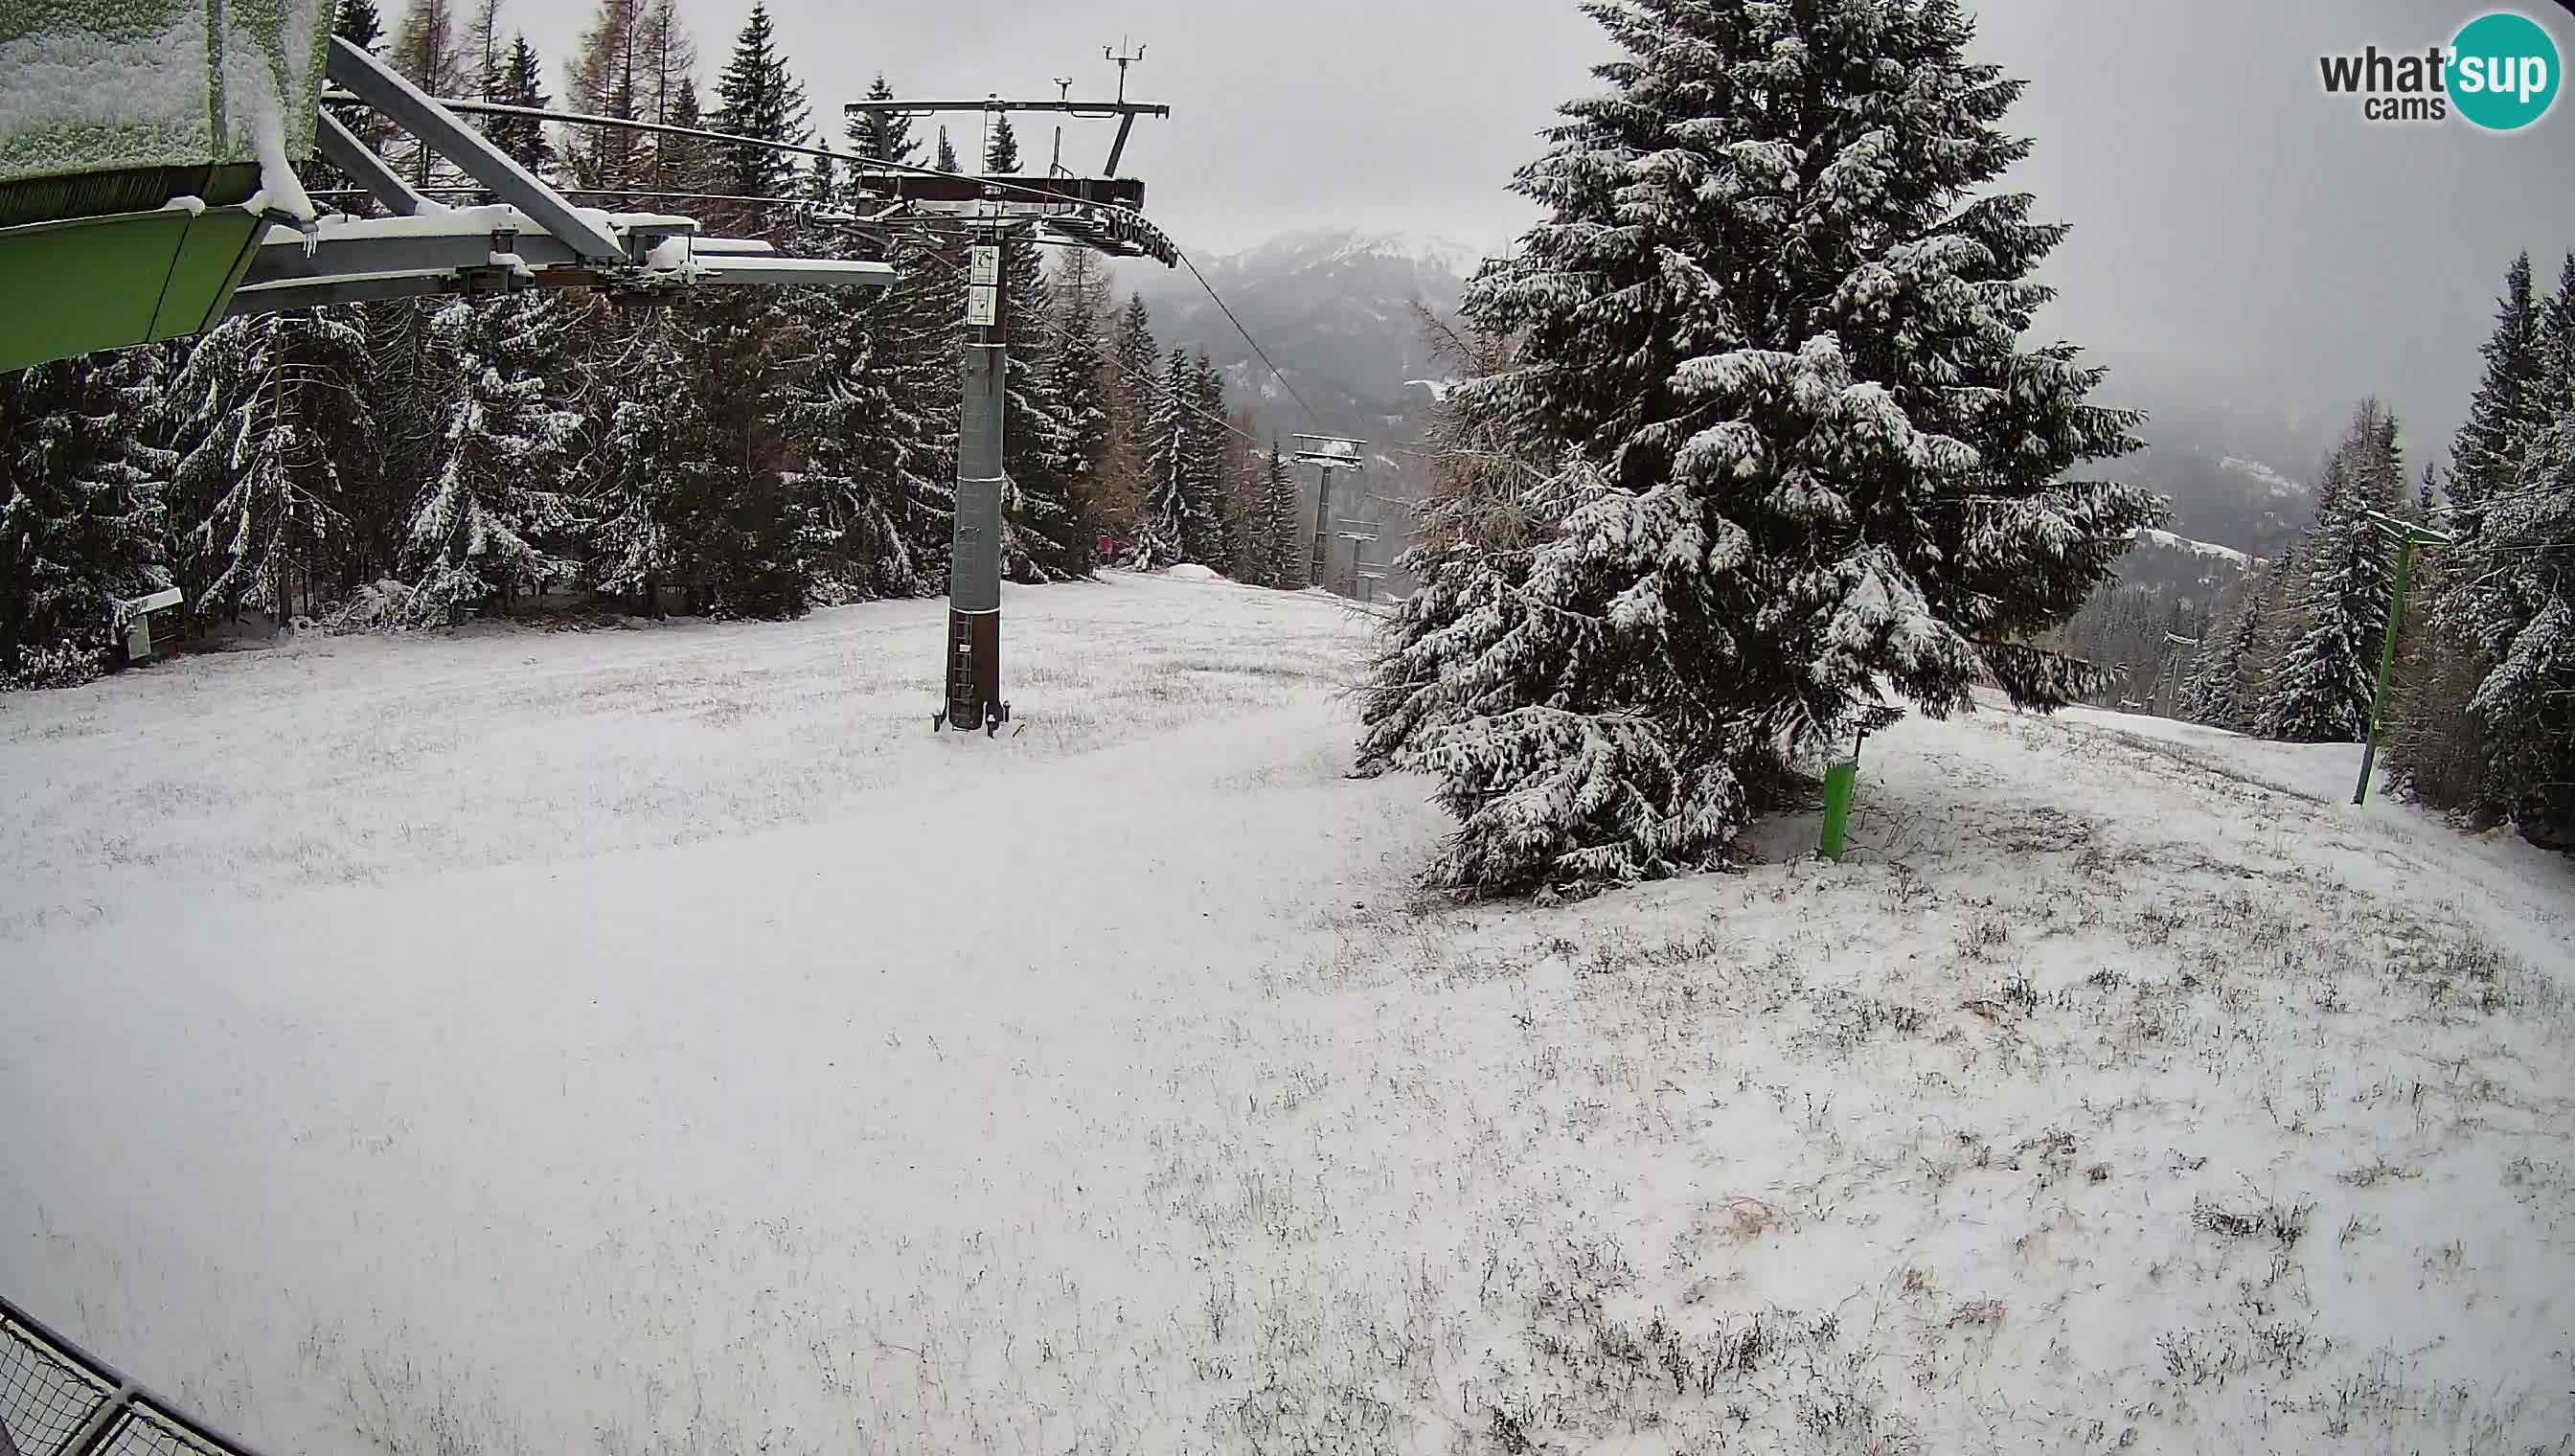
point(58, 665)
point(384, 605)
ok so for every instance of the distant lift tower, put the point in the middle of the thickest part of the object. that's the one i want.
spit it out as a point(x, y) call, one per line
point(1363, 575)
point(1328, 453)
point(1103, 214)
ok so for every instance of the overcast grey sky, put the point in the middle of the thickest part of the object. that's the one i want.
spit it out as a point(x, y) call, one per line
point(2228, 215)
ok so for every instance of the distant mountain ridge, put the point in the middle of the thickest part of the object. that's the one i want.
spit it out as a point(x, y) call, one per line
point(1334, 309)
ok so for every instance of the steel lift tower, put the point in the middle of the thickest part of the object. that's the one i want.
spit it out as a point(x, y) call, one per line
point(1330, 453)
point(1102, 214)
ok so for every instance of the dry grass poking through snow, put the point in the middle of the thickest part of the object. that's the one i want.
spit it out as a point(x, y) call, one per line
point(2059, 1123)
point(589, 1044)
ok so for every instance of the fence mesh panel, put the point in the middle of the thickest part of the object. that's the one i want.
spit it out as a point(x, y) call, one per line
point(44, 1397)
point(147, 1433)
point(50, 1391)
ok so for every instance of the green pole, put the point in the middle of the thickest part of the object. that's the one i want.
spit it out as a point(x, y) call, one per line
point(2387, 665)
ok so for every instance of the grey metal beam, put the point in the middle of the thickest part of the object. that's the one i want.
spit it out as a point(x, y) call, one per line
point(346, 151)
point(273, 297)
point(804, 272)
point(284, 261)
point(1117, 147)
point(372, 81)
point(718, 271)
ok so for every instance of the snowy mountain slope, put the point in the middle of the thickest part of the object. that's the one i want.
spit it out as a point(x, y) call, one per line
point(2213, 448)
point(2189, 571)
point(2166, 540)
point(2182, 567)
point(610, 1041)
point(2266, 477)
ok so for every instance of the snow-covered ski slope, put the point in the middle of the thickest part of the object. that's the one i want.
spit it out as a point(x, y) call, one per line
point(659, 1041)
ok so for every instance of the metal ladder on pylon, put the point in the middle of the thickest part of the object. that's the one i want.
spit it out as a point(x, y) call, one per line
point(961, 663)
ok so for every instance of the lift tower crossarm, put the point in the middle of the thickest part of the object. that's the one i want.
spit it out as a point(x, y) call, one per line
point(381, 87)
point(1126, 111)
point(1096, 110)
point(346, 151)
point(907, 184)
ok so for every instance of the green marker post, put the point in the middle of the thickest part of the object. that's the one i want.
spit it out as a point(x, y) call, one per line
point(2407, 536)
point(1841, 783)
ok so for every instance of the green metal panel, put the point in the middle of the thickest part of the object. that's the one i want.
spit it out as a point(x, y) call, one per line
point(105, 283)
point(211, 261)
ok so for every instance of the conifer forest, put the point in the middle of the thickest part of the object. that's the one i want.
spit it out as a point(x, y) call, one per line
point(419, 463)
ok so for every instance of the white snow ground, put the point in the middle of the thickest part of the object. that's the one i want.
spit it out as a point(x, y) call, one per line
point(659, 1041)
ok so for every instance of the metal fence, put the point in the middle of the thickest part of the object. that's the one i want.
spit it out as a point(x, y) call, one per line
point(57, 1399)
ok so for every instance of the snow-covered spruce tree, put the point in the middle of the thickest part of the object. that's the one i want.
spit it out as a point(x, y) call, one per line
point(684, 164)
point(835, 405)
point(744, 533)
point(1203, 537)
point(918, 327)
point(2277, 622)
point(651, 467)
point(2506, 415)
point(1001, 148)
point(1079, 375)
point(2217, 693)
point(2467, 613)
point(258, 413)
point(2516, 592)
point(2526, 706)
point(521, 82)
point(1805, 455)
point(1045, 516)
point(495, 517)
point(760, 99)
point(1134, 361)
point(2320, 690)
point(81, 516)
point(822, 189)
point(1285, 512)
point(904, 406)
point(883, 136)
point(1244, 501)
point(1163, 528)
